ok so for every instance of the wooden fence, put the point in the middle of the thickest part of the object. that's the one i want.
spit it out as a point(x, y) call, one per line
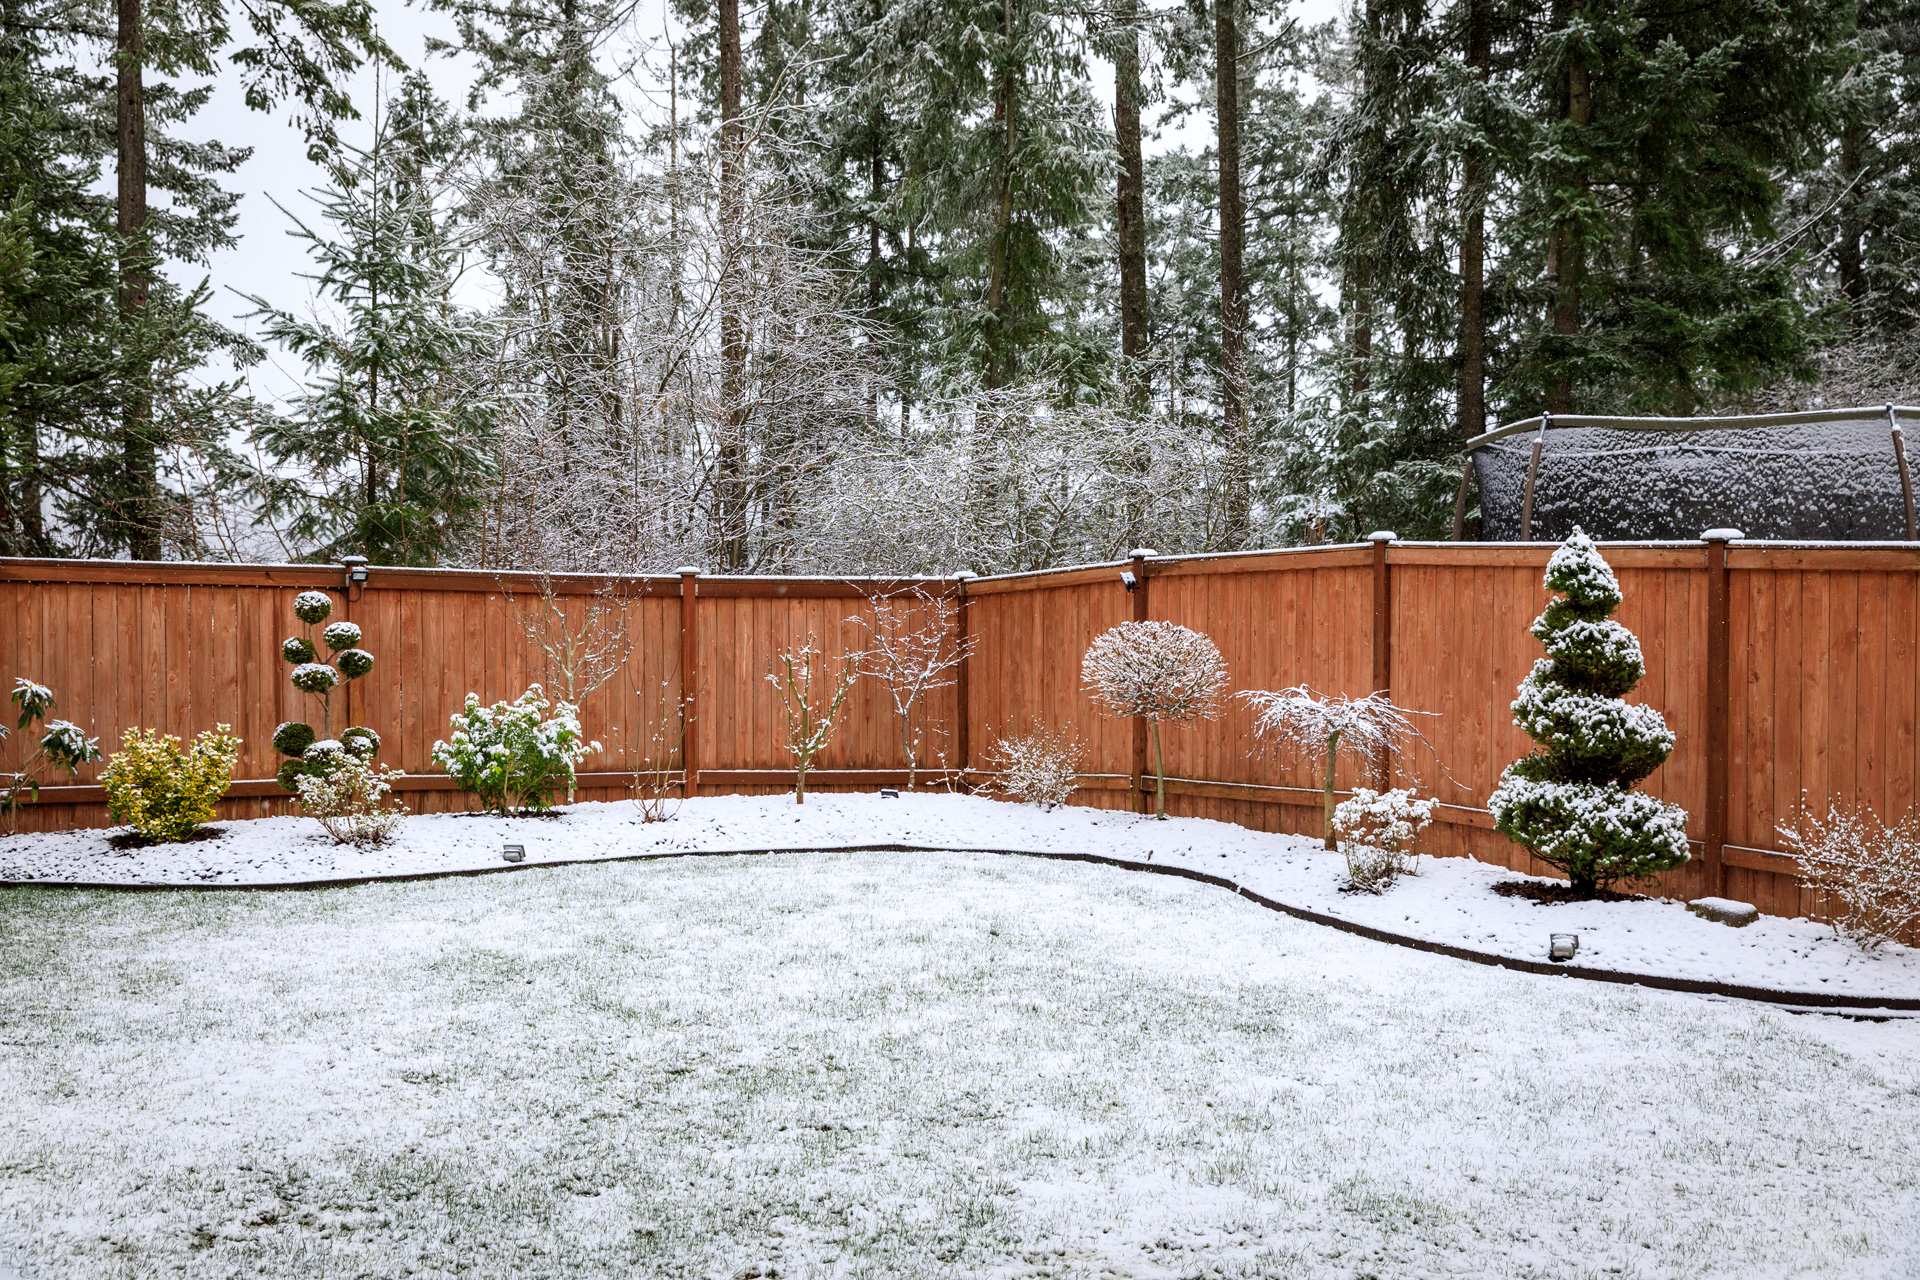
point(1781, 669)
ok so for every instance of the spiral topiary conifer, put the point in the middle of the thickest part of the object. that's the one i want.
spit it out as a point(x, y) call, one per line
point(1572, 801)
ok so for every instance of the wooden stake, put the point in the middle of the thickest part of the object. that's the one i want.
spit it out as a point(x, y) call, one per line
point(1139, 594)
point(1460, 502)
point(1719, 701)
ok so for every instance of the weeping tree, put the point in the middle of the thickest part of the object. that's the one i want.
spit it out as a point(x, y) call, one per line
point(1298, 721)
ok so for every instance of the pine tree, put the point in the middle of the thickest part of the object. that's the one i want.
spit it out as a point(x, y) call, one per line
point(389, 446)
point(1572, 801)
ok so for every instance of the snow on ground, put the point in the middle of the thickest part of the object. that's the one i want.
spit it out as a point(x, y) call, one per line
point(1450, 901)
point(898, 1065)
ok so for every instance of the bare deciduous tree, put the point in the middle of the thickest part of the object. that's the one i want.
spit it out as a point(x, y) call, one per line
point(914, 648)
point(1300, 722)
point(813, 689)
point(1159, 671)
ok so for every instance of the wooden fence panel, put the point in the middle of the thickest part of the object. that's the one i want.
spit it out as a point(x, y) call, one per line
point(1823, 672)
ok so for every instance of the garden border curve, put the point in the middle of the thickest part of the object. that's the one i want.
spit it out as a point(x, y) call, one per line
point(1799, 1001)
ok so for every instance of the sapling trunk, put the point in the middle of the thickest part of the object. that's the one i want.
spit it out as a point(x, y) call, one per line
point(1159, 776)
point(1333, 751)
point(800, 784)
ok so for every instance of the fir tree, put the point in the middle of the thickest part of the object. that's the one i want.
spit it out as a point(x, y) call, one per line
point(1572, 801)
point(391, 441)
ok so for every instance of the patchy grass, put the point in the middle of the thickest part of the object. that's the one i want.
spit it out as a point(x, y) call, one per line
point(897, 1065)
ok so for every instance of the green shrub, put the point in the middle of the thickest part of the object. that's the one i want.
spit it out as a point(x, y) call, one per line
point(512, 752)
point(163, 792)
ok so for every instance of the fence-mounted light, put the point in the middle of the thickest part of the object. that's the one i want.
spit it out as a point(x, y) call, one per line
point(1126, 577)
point(356, 575)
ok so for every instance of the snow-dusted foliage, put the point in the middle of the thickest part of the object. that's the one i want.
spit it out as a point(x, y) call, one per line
point(341, 635)
point(345, 798)
point(1159, 671)
point(1866, 874)
point(1377, 831)
point(1040, 767)
point(913, 649)
point(165, 793)
point(314, 677)
point(1300, 722)
point(63, 745)
point(1572, 801)
point(513, 754)
point(312, 607)
point(813, 688)
point(297, 740)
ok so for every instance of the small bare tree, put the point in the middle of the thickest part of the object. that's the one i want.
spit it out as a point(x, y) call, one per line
point(579, 650)
point(1300, 722)
point(1159, 671)
point(664, 721)
point(813, 690)
point(914, 650)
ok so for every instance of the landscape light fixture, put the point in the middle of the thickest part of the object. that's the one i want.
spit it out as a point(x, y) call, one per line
point(1561, 946)
point(514, 852)
point(889, 793)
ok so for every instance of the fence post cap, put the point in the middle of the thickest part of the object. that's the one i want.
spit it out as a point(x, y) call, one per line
point(1721, 535)
point(1141, 553)
point(689, 571)
point(965, 573)
point(1383, 535)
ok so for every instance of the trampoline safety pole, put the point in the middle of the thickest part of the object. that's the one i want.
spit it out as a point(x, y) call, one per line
point(1533, 476)
point(1460, 502)
point(1906, 472)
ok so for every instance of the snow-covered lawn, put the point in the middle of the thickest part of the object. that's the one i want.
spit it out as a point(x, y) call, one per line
point(887, 1064)
point(1449, 902)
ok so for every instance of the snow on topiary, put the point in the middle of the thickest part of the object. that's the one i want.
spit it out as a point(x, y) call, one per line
point(1377, 831)
point(1572, 801)
point(297, 740)
point(1159, 671)
point(512, 753)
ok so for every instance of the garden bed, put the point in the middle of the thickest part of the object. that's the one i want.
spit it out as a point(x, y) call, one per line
point(1449, 903)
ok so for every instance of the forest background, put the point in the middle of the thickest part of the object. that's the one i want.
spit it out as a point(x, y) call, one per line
point(836, 286)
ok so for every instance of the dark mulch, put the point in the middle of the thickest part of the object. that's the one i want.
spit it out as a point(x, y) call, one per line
point(1543, 892)
point(134, 840)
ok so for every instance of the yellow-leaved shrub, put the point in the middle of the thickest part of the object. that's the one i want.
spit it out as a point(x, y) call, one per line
point(163, 792)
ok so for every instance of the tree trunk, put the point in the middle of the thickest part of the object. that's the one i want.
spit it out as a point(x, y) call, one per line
point(1853, 280)
point(1473, 238)
point(1131, 232)
point(1005, 120)
point(1233, 287)
point(1567, 256)
point(1333, 758)
point(730, 490)
point(1159, 776)
point(139, 482)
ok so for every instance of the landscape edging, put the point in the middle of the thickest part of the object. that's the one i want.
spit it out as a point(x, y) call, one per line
point(1804, 1000)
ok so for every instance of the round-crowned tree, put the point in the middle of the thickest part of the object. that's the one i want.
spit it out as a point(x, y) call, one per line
point(1159, 671)
point(1572, 801)
point(308, 752)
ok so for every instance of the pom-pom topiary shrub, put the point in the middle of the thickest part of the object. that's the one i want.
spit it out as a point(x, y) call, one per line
point(1572, 801)
point(311, 754)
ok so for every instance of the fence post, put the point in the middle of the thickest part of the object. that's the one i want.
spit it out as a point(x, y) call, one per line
point(1137, 588)
point(689, 677)
point(1382, 636)
point(1719, 691)
point(963, 720)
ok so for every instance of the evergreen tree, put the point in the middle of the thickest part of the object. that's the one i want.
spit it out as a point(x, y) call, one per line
point(1572, 801)
point(389, 446)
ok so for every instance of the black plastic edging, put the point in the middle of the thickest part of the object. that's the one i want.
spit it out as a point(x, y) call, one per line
point(1803, 1000)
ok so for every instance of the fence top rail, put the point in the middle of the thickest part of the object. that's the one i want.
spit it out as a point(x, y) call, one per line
point(1743, 553)
point(1862, 413)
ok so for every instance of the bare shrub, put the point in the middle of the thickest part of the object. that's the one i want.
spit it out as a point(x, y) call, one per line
point(345, 800)
point(1867, 874)
point(1040, 767)
point(1160, 671)
point(1376, 832)
point(664, 721)
point(914, 649)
